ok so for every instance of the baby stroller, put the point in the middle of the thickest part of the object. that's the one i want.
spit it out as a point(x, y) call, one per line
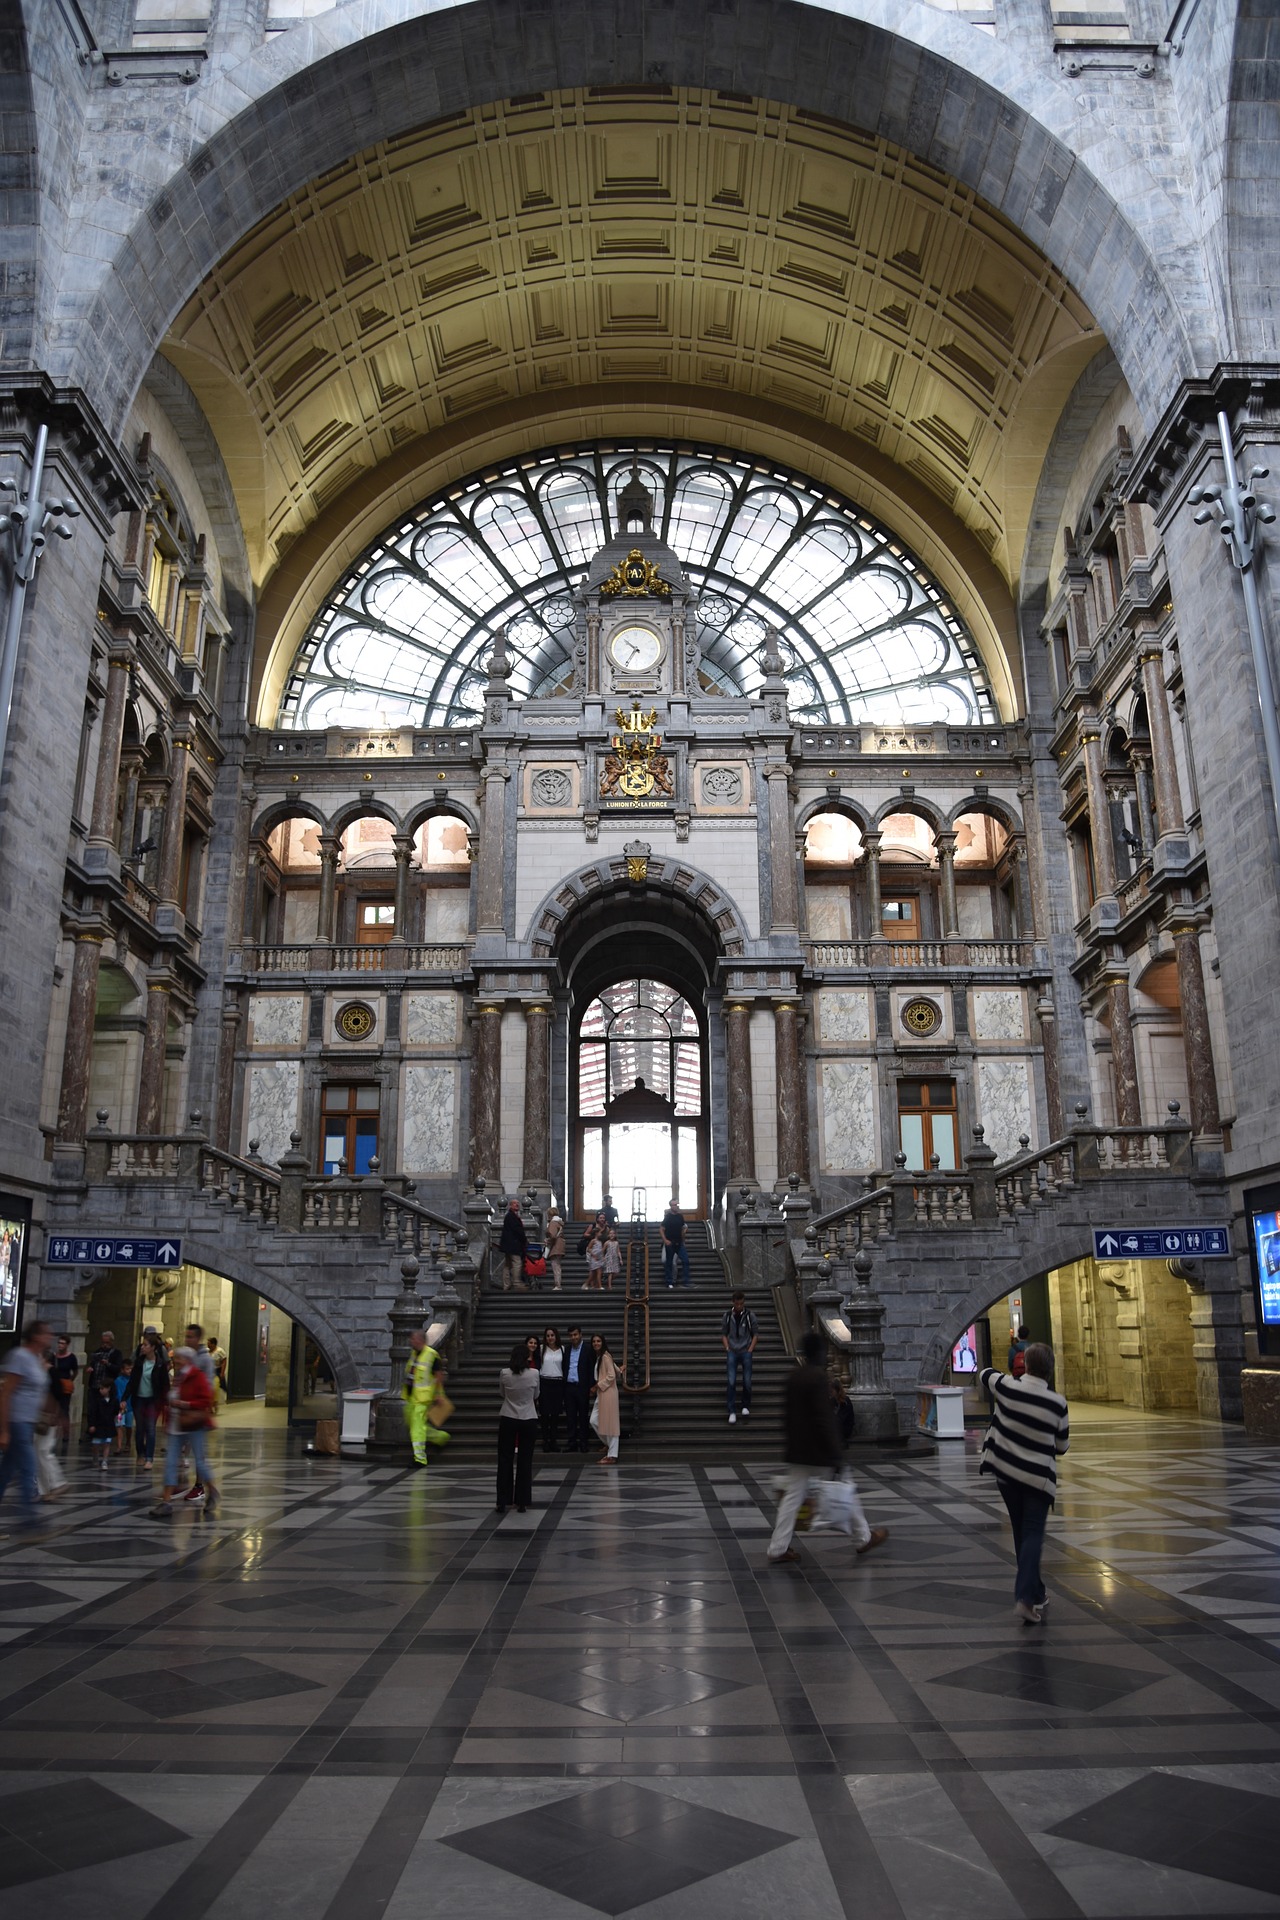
point(535, 1266)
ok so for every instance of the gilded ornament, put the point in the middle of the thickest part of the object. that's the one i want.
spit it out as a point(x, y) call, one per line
point(355, 1021)
point(636, 578)
point(921, 1017)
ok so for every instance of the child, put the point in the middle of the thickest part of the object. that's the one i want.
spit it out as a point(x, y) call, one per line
point(612, 1257)
point(595, 1263)
point(102, 1408)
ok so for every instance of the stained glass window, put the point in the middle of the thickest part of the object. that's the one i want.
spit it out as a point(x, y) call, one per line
point(867, 634)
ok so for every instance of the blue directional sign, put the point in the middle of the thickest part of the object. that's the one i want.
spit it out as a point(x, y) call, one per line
point(112, 1250)
point(1161, 1243)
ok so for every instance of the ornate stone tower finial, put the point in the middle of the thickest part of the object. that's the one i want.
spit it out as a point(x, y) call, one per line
point(635, 505)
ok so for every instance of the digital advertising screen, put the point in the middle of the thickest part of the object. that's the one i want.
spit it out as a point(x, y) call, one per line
point(1266, 1246)
point(964, 1354)
point(15, 1231)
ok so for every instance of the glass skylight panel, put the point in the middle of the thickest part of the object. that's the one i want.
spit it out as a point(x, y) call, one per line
point(406, 637)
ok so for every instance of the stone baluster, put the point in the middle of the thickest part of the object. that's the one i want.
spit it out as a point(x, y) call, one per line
point(741, 1129)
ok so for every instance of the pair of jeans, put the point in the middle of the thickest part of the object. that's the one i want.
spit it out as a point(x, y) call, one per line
point(735, 1363)
point(197, 1440)
point(515, 1461)
point(1028, 1515)
point(145, 1415)
point(669, 1257)
point(20, 1459)
point(801, 1482)
point(550, 1408)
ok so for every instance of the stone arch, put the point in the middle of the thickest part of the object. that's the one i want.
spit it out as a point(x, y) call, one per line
point(1009, 817)
point(927, 810)
point(835, 803)
point(279, 811)
point(1056, 1244)
point(429, 808)
point(666, 875)
point(365, 809)
point(998, 137)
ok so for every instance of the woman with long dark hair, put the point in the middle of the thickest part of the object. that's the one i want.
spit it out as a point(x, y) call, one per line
point(605, 1395)
point(551, 1389)
point(517, 1430)
point(147, 1392)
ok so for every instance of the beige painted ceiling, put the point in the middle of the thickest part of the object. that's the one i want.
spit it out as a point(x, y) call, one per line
point(741, 251)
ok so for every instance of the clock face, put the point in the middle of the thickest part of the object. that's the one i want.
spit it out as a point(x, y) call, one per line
point(634, 649)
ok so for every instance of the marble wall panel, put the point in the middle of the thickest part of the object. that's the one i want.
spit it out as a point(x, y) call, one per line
point(830, 913)
point(430, 1020)
point(844, 1016)
point(427, 1117)
point(998, 1014)
point(847, 1099)
point(445, 911)
point(301, 916)
point(271, 1108)
point(275, 1019)
point(1004, 1104)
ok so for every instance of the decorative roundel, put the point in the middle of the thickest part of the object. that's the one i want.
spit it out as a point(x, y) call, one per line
point(922, 1017)
point(356, 1021)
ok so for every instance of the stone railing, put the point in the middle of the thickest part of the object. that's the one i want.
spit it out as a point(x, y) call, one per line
point(857, 955)
point(321, 958)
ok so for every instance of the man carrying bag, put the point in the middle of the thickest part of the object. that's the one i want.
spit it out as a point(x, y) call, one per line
point(813, 1454)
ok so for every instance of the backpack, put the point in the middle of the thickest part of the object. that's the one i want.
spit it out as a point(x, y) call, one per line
point(1019, 1366)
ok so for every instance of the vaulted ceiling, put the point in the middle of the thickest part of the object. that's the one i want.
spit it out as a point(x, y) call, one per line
point(748, 253)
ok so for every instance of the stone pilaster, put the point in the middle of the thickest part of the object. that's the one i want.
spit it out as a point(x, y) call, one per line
point(330, 850)
point(486, 1093)
point(793, 1115)
point(1124, 1060)
point(492, 852)
point(782, 841)
point(1202, 1082)
point(875, 923)
point(77, 1057)
point(106, 786)
point(1164, 765)
point(154, 1041)
point(1104, 862)
point(536, 1163)
point(169, 880)
point(946, 845)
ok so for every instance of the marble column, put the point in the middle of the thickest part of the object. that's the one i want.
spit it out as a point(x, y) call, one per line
point(742, 1131)
point(175, 820)
point(155, 1039)
point(330, 849)
point(793, 1113)
point(782, 844)
point(77, 1053)
point(1202, 1082)
point(946, 844)
point(1141, 765)
point(537, 1095)
point(1164, 765)
point(226, 1072)
point(486, 1093)
point(489, 917)
point(1048, 1019)
point(875, 927)
point(131, 768)
point(402, 846)
point(1104, 860)
point(1124, 1060)
point(106, 786)
point(593, 652)
point(1022, 892)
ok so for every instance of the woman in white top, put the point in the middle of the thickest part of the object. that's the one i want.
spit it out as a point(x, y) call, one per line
point(517, 1430)
point(551, 1389)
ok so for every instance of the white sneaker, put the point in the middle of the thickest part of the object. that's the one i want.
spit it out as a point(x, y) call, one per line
point(733, 1419)
point(746, 1413)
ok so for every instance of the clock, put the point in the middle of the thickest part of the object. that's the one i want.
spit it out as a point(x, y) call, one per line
point(634, 649)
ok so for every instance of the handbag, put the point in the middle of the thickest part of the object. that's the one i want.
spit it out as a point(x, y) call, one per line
point(192, 1419)
point(440, 1409)
point(834, 1505)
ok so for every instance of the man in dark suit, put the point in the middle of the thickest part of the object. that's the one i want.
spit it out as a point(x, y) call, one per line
point(579, 1378)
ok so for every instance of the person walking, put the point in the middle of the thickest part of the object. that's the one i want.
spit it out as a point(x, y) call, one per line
point(101, 1404)
point(513, 1243)
point(423, 1378)
point(551, 1389)
point(813, 1451)
point(605, 1394)
point(208, 1366)
point(595, 1264)
point(1015, 1362)
point(146, 1391)
point(555, 1250)
point(738, 1336)
point(24, 1394)
point(190, 1421)
point(517, 1431)
point(612, 1259)
point(64, 1369)
point(1029, 1429)
point(673, 1246)
point(579, 1378)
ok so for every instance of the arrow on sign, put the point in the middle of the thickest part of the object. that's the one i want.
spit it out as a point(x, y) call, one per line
point(167, 1251)
point(1108, 1243)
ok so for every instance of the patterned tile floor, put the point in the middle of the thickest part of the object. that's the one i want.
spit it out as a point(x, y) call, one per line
point(355, 1693)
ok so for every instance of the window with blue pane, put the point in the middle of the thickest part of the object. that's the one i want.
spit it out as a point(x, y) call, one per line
point(349, 1129)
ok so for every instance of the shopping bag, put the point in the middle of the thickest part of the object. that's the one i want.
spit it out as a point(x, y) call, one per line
point(440, 1409)
point(834, 1505)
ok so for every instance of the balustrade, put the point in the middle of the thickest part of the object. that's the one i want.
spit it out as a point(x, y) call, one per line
point(454, 958)
point(933, 954)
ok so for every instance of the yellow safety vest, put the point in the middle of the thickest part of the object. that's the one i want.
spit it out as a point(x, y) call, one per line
point(419, 1383)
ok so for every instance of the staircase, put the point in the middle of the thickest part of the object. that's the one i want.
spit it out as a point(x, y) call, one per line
point(683, 1416)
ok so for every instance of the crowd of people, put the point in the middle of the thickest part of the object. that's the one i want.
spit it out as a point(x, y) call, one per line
point(127, 1401)
point(546, 1382)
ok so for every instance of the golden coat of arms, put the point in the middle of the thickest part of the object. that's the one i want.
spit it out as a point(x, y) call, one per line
point(637, 768)
point(634, 578)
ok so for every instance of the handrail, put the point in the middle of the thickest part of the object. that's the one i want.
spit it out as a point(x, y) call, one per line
point(852, 1206)
point(406, 1221)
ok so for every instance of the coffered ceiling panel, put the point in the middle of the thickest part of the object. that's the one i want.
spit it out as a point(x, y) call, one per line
point(651, 236)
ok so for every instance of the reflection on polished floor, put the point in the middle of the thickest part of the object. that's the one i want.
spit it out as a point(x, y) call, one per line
point(354, 1692)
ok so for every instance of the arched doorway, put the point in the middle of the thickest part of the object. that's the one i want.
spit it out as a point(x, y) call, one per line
point(638, 1068)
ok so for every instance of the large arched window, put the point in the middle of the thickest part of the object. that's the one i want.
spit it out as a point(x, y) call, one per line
point(868, 634)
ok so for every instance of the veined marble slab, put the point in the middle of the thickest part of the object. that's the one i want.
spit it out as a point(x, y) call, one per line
point(275, 1019)
point(844, 1016)
point(430, 1104)
point(998, 1014)
point(848, 1116)
point(273, 1106)
point(430, 1019)
point(1004, 1104)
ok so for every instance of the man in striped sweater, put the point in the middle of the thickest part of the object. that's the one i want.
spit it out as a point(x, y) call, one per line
point(1027, 1433)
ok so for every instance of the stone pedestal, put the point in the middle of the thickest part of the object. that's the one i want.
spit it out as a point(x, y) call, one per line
point(407, 1312)
point(1260, 1388)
